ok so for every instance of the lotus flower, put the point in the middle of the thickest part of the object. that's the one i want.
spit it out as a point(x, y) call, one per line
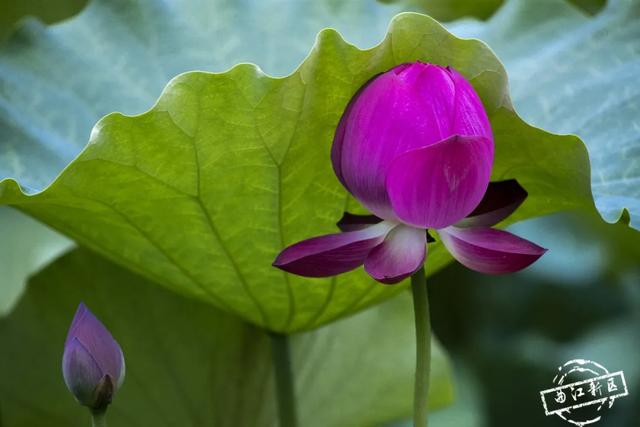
point(415, 147)
point(93, 364)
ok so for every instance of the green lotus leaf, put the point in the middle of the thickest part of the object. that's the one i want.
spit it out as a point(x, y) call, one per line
point(201, 192)
point(189, 364)
point(46, 117)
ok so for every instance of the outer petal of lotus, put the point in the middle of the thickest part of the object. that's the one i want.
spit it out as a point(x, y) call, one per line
point(438, 185)
point(401, 254)
point(489, 250)
point(80, 371)
point(332, 254)
point(501, 200)
point(338, 138)
point(99, 342)
point(407, 107)
point(470, 116)
point(352, 222)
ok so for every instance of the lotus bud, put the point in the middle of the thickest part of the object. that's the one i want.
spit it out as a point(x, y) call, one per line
point(92, 364)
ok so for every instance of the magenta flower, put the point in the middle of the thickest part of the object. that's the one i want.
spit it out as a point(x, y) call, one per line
point(415, 147)
point(93, 364)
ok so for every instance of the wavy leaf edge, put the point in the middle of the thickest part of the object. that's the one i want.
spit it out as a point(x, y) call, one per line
point(13, 194)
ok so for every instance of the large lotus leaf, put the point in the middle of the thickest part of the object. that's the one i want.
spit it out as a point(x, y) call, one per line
point(189, 364)
point(46, 117)
point(201, 192)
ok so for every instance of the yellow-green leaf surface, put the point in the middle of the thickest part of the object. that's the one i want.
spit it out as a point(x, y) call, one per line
point(201, 192)
point(189, 364)
point(57, 81)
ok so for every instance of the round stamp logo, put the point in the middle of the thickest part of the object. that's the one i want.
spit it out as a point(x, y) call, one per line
point(583, 392)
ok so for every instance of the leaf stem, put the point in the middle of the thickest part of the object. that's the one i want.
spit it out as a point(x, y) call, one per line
point(99, 419)
point(423, 347)
point(285, 390)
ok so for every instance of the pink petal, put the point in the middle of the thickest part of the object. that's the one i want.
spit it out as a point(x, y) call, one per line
point(501, 200)
point(488, 250)
point(408, 107)
point(400, 255)
point(338, 138)
point(332, 254)
point(352, 222)
point(438, 185)
point(470, 116)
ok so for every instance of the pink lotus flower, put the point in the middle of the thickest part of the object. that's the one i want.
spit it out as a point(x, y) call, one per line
point(415, 147)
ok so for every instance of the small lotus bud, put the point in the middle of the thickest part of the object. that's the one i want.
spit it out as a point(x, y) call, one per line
point(93, 364)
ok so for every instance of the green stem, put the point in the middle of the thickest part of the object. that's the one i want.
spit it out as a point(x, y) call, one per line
point(423, 347)
point(284, 380)
point(98, 419)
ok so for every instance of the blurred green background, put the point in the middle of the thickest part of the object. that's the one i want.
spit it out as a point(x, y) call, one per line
point(508, 335)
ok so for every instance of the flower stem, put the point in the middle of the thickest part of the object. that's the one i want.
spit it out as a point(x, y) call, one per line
point(99, 419)
point(284, 380)
point(423, 347)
